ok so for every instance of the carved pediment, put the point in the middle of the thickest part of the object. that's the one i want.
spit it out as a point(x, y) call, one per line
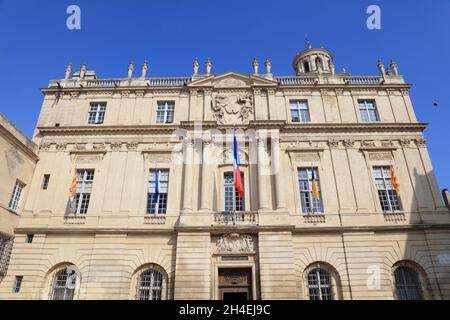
point(232, 80)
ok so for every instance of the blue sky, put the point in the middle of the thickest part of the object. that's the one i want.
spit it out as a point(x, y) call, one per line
point(36, 46)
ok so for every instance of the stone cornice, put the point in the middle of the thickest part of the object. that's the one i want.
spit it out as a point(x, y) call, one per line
point(222, 229)
point(281, 125)
point(355, 127)
point(19, 144)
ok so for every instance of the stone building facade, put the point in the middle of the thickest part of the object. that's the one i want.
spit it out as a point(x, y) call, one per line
point(18, 157)
point(346, 138)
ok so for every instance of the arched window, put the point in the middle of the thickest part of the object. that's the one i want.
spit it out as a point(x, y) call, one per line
point(64, 283)
point(150, 284)
point(407, 283)
point(322, 282)
point(319, 284)
point(306, 66)
point(319, 63)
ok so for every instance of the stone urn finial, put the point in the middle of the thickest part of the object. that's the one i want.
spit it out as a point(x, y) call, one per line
point(255, 65)
point(268, 66)
point(144, 69)
point(68, 71)
point(394, 67)
point(195, 66)
point(381, 67)
point(208, 66)
point(130, 70)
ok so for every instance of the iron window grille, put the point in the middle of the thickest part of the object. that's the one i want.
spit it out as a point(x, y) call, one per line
point(5, 253)
point(16, 196)
point(64, 283)
point(308, 203)
point(165, 112)
point(233, 203)
point(150, 283)
point(389, 200)
point(45, 181)
point(319, 284)
point(299, 111)
point(85, 179)
point(368, 111)
point(17, 284)
point(407, 284)
point(163, 192)
point(97, 113)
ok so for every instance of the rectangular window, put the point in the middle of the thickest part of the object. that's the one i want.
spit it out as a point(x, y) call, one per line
point(368, 111)
point(165, 112)
point(17, 284)
point(299, 111)
point(16, 196)
point(232, 200)
point(45, 181)
point(97, 113)
point(30, 238)
point(307, 200)
point(85, 179)
point(154, 203)
point(389, 200)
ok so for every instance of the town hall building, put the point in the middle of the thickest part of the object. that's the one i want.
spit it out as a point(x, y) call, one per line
point(340, 199)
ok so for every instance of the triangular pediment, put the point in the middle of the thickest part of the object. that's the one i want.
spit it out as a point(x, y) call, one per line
point(232, 80)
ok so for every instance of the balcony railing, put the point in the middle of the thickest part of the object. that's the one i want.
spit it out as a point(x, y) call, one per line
point(236, 218)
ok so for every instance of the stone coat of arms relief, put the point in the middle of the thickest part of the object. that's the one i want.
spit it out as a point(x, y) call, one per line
point(235, 242)
point(232, 109)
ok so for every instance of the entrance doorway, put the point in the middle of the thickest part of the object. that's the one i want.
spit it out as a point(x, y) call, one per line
point(235, 284)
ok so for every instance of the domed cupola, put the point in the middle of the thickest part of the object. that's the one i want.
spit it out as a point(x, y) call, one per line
point(313, 61)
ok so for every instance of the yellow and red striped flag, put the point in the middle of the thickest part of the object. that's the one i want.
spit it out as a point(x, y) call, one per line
point(73, 187)
point(395, 182)
point(315, 190)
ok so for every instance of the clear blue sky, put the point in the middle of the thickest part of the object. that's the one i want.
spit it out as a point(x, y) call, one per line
point(36, 46)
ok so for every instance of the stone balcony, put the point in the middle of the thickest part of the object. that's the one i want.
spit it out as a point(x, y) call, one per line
point(241, 218)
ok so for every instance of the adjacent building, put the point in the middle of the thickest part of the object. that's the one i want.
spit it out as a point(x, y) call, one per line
point(18, 157)
point(340, 198)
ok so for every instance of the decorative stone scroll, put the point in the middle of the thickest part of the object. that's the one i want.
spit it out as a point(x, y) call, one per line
point(235, 242)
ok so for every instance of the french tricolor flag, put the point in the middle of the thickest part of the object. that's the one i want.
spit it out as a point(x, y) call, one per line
point(237, 170)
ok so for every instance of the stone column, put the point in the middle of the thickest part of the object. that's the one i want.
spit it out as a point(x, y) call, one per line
point(205, 187)
point(276, 169)
point(262, 168)
point(188, 175)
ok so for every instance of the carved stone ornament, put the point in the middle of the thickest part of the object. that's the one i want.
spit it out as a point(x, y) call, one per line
point(235, 242)
point(333, 144)
point(232, 109)
point(421, 142)
point(45, 146)
point(61, 146)
point(368, 143)
point(116, 145)
point(405, 142)
point(349, 143)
